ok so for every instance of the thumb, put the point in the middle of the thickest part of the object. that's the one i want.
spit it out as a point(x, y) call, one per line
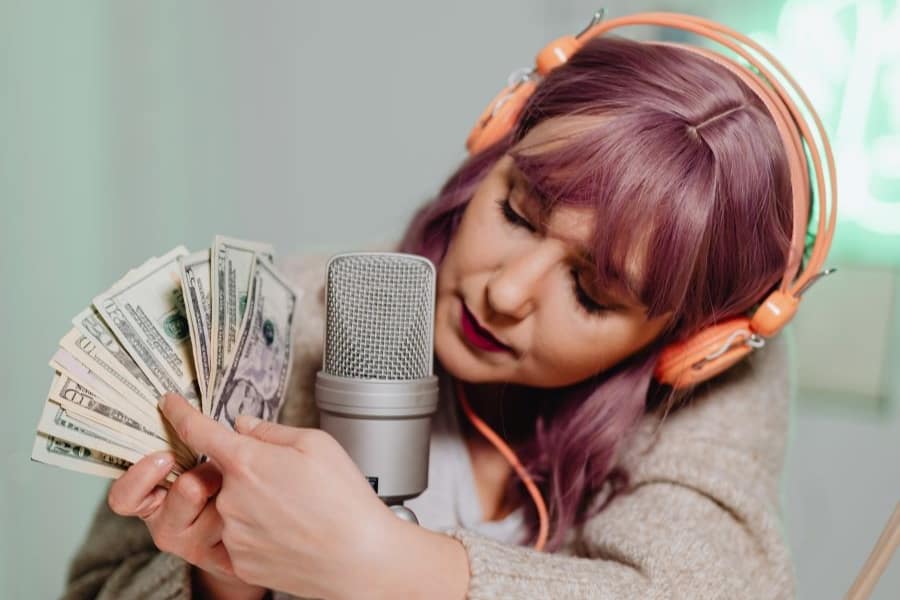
point(264, 431)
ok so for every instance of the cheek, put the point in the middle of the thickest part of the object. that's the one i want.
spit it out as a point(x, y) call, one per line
point(565, 359)
point(572, 350)
point(443, 333)
point(446, 309)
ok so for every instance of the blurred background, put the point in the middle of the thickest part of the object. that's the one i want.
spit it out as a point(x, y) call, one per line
point(127, 128)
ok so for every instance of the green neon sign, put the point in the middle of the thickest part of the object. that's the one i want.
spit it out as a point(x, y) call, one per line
point(846, 56)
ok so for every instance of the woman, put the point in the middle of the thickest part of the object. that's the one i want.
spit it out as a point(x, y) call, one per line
point(643, 195)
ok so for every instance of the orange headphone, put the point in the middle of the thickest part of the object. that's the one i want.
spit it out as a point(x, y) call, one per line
point(716, 348)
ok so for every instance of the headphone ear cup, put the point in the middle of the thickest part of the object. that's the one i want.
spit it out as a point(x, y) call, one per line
point(701, 357)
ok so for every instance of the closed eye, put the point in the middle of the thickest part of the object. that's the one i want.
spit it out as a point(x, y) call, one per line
point(584, 300)
point(513, 217)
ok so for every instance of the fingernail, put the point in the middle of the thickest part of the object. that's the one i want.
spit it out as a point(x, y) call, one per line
point(249, 423)
point(163, 459)
point(162, 402)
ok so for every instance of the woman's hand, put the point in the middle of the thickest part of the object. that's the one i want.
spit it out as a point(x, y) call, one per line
point(297, 514)
point(182, 520)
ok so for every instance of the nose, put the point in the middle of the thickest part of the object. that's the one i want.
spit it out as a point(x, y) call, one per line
point(514, 287)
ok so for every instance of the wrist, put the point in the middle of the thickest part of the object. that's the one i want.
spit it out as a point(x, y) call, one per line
point(421, 563)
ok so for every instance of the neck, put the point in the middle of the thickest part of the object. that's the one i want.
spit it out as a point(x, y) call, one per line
point(504, 407)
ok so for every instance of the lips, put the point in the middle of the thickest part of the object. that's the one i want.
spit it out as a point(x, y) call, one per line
point(478, 336)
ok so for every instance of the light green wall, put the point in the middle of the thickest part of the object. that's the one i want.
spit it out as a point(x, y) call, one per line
point(130, 127)
point(55, 253)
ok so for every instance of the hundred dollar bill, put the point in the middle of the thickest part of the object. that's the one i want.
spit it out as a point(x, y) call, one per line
point(91, 412)
point(89, 323)
point(63, 362)
point(195, 282)
point(70, 391)
point(55, 422)
point(52, 451)
point(232, 261)
point(255, 382)
point(85, 403)
point(147, 316)
point(99, 363)
point(76, 420)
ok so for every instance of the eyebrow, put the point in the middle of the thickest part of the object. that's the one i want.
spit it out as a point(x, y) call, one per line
point(519, 177)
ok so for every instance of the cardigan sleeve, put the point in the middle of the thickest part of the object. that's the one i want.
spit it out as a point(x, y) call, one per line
point(118, 560)
point(701, 520)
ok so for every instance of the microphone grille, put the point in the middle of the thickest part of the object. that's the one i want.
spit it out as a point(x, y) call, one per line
point(379, 316)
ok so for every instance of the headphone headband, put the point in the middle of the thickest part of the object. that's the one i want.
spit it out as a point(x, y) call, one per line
point(716, 348)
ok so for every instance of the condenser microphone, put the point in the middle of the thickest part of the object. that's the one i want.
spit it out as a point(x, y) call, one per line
point(376, 391)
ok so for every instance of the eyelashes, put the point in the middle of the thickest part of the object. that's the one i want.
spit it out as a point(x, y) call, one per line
point(584, 300)
point(513, 217)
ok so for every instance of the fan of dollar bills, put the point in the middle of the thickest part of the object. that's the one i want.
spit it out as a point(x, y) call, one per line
point(213, 326)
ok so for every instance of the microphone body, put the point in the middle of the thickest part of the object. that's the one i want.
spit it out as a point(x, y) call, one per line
point(376, 391)
point(385, 427)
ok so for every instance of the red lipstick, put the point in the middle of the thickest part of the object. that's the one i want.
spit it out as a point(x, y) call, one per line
point(477, 335)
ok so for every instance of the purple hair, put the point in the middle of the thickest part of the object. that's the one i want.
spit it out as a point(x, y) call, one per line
point(657, 140)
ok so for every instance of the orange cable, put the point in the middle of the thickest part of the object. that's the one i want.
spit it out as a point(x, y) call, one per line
point(513, 460)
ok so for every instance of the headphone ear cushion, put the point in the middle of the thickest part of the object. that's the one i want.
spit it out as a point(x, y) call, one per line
point(701, 357)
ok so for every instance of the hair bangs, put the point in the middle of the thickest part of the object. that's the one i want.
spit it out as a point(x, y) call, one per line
point(639, 172)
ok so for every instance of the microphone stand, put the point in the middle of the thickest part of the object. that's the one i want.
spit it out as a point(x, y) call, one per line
point(403, 512)
point(878, 559)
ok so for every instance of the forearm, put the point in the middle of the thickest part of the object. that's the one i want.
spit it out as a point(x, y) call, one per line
point(662, 540)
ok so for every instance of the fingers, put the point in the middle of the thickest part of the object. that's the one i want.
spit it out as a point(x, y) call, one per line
point(219, 559)
point(207, 528)
point(200, 433)
point(265, 431)
point(133, 492)
point(187, 498)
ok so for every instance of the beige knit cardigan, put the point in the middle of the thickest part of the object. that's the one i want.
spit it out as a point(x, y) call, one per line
point(702, 522)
